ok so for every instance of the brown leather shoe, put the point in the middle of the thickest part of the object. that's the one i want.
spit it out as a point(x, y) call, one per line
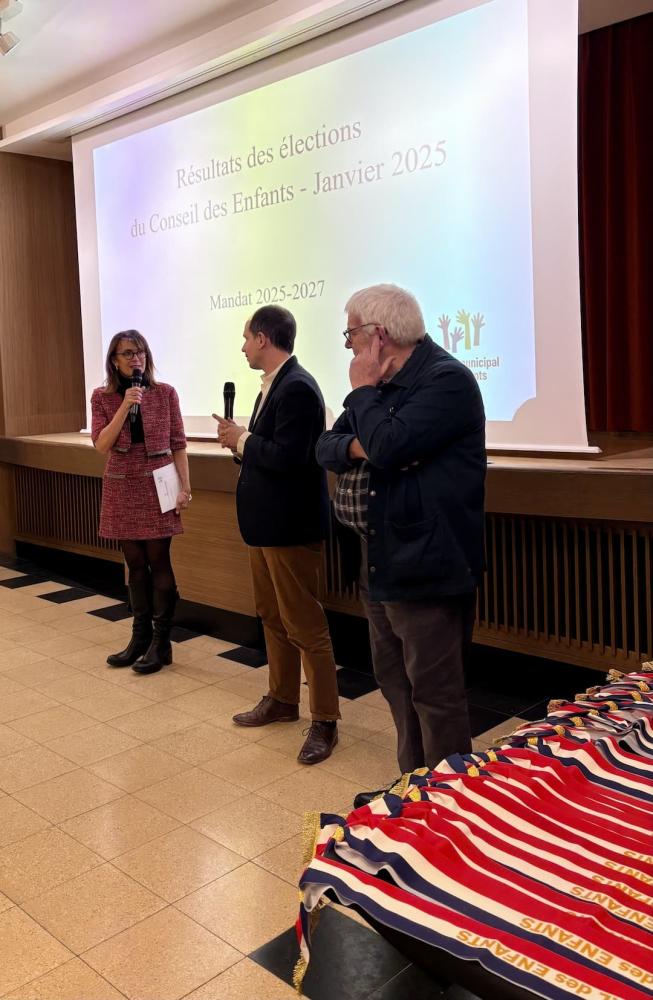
point(268, 710)
point(322, 738)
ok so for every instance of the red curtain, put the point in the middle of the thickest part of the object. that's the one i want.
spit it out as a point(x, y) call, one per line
point(616, 223)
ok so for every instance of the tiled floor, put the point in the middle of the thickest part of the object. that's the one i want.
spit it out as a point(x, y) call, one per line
point(149, 848)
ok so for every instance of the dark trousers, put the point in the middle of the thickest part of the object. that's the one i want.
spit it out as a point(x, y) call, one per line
point(418, 652)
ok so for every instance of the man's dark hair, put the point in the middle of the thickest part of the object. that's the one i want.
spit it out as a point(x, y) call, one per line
point(277, 324)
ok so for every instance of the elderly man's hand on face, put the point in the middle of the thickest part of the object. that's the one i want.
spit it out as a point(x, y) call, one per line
point(228, 432)
point(366, 367)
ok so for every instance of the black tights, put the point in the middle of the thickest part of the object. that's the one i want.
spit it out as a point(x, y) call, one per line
point(151, 557)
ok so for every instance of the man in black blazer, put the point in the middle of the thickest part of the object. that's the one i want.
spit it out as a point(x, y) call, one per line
point(283, 504)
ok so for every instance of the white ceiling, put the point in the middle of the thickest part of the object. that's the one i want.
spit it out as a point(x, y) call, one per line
point(67, 45)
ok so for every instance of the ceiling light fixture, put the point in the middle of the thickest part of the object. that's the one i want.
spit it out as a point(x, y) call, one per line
point(8, 41)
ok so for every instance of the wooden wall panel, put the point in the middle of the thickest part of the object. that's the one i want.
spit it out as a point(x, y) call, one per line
point(210, 558)
point(41, 362)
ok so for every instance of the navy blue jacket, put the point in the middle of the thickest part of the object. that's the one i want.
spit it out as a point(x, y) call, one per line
point(282, 496)
point(424, 433)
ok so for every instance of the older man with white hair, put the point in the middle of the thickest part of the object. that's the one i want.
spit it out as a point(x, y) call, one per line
point(409, 451)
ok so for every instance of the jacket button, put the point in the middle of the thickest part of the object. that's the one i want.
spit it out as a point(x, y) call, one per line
point(372, 493)
point(372, 531)
point(372, 569)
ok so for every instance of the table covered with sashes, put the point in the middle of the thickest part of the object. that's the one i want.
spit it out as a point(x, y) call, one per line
point(533, 860)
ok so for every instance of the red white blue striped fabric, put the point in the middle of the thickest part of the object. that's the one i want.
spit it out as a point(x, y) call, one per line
point(534, 859)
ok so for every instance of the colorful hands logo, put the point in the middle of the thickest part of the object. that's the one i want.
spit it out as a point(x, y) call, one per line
point(468, 329)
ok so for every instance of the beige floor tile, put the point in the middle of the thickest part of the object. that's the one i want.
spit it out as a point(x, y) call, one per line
point(87, 659)
point(17, 821)
point(211, 644)
point(11, 741)
point(224, 720)
point(9, 574)
point(92, 603)
point(7, 644)
point(118, 827)
point(138, 768)
point(287, 738)
point(15, 706)
point(375, 699)
point(183, 652)
point(191, 794)
point(311, 789)
point(5, 903)
point(162, 958)
point(367, 765)
point(73, 688)
point(251, 686)
point(51, 724)
point(30, 767)
point(105, 632)
point(75, 624)
point(252, 766)
point(178, 863)
point(62, 644)
point(72, 981)
point(46, 587)
point(244, 981)
point(40, 862)
point(165, 685)
point(209, 701)
point(94, 744)
point(42, 672)
point(249, 826)
point(93, 907)
point(18, 657)
point(68, 795)
point(210, 669)
point(111, 705)
point(199, 743)
point(9, 686)
point(27, 635)
point(48, 612)
point(386, 738)
point(233, 907)
point(154, 721)
point(363, 721)
point(26, 950)
point(286, 860)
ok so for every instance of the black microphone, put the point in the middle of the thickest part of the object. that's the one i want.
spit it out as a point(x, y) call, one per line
point(137, 380)
point(229, 395)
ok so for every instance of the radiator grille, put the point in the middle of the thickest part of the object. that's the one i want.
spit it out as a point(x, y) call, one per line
point(60, 509)
point(578, 591)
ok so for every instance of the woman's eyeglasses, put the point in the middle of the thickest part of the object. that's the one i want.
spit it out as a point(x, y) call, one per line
point(130, 355)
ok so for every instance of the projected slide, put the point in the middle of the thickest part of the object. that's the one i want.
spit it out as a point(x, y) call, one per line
point(407, 162)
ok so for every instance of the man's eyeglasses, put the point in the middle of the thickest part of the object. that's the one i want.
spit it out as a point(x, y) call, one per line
point(130, 355)
point(352, 329)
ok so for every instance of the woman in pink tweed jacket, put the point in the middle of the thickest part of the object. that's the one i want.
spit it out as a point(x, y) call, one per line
point(130, 507)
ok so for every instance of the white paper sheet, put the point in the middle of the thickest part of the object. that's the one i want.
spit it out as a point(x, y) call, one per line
point(168, 485)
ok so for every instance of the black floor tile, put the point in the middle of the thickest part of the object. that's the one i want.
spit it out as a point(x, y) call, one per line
point(536, 711)
point(64, 596)
point(16, 582)
point(246, 655)
point(353, 684)
point(411, 983)
point(481, 719)
point(114, 613)
point(508, 703)
point(179, 634)
point(348, 961)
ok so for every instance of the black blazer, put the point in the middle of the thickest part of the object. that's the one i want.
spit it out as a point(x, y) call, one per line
point(282, 496)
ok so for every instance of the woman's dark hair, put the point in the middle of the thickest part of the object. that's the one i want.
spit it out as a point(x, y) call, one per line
point(277, 324)
point(140, 344)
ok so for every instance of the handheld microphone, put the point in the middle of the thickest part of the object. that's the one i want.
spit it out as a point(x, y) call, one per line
point(137, 380)
point(229, 395)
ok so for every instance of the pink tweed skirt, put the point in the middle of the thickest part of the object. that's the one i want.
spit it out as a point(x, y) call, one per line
point(130, 505)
